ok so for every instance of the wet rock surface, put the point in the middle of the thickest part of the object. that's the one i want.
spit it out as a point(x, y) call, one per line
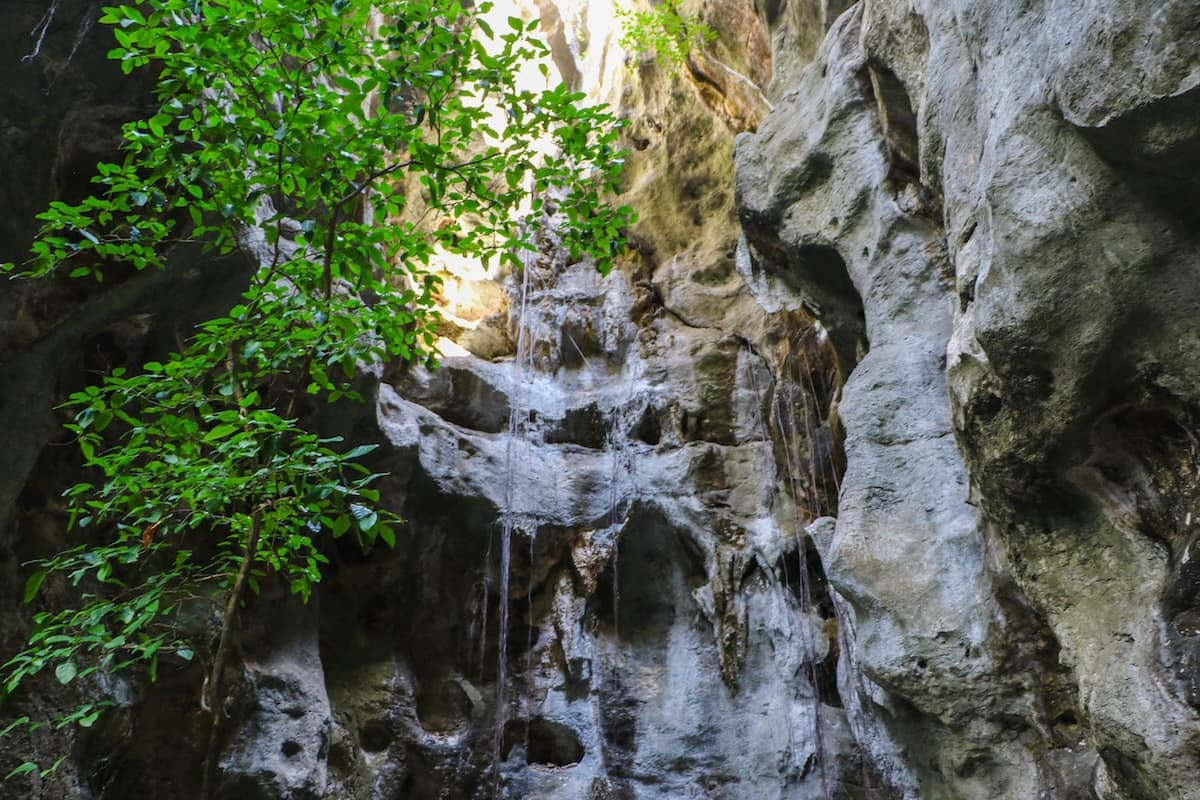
point(1013, 530)
point(939, 545)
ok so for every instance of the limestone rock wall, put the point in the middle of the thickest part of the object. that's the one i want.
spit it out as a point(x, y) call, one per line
point(638, 438)
point(637, 434)
point(984, 202)
point(869, 473)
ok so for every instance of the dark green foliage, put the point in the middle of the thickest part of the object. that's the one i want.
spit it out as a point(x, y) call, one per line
point(357, 141)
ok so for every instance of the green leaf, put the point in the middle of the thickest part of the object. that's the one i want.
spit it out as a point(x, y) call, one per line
point(23, 769)
point(33, 584)
point(65, 672)
point(361, 451)
point(16, 723)
point(220, 432)
point(388, 536)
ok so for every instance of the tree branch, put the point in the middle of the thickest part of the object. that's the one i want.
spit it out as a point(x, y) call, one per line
point(216, 681)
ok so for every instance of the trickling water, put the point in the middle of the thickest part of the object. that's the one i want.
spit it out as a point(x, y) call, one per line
point(829, 461)
point(487, 593)
point(618, 445)
point(529, 636)
point(791, 455)
point(515, 412)
point(810, 651)
point(613, 494)
point(611, 442)
point(811, 436)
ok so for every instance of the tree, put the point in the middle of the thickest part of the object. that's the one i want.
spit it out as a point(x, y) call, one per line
point(664, 31)
point(355, 144)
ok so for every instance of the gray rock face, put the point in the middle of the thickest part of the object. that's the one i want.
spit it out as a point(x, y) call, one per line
point(658, 641)
point(939, 546)
point(1000, 186)
point(280, 747)
point(656, 646)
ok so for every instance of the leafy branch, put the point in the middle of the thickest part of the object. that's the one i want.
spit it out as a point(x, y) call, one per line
point(283, 120)
point(665, 31)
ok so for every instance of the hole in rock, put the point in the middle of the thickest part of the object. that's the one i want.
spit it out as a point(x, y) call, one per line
point(375, 736)
point(648, 429)
point(1042, 383)
point(521, 636)
point(442, 706)
point(584, 426)
point(547, 743)
point(820, 272)
point(658, 571)
point(812, 578)
point(807, 581)
point(1154, 150)
point(1066, 718)
point(580, 344)
point(898, 121)
point(290, 748)
point(987, 407)
point(461, 397)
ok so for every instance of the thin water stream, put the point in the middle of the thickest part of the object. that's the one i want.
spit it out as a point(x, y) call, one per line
point(791, 456)
point(615, 447)
point(516, 412)
point(806, 605)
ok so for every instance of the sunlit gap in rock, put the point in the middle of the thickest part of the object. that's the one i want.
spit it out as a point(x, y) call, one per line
point(461, 276)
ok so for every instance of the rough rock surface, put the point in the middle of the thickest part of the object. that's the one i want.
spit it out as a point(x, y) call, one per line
point(999, 184)
point(659, 641)
point(990, 439)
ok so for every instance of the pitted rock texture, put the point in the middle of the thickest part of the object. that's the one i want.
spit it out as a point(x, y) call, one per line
point(999, 184)
point(939, 546)
point(657, 645)
point(650, 445)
